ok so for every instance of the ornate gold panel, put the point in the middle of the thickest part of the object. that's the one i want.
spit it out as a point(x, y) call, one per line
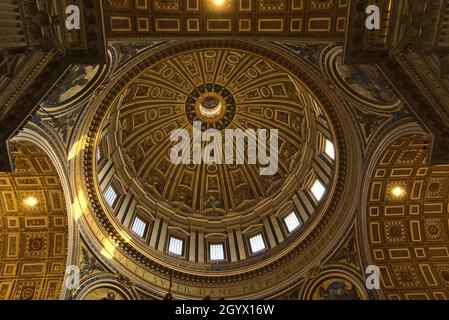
point(261, 18)
point(33, 249)
point(408, 230)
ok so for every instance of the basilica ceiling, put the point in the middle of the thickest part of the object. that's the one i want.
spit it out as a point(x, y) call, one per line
point(134, 194)
point(407, 231)
point(359, 178)
point(262, 93)
point(316, 20)
point(33, 227)
point(205, 205)
point(156, 222)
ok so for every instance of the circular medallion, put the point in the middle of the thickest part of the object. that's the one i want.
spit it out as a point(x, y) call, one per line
point(363, 83)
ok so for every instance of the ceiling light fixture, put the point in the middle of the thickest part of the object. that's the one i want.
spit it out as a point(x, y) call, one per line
point(218, 3)
point(398, 192)
point(31, 201)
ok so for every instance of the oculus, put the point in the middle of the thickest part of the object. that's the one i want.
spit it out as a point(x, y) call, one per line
point(213, 105)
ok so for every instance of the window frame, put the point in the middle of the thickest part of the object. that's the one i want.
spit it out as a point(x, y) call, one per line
point(116, 196)
point(146, 227)
point(209, 251)
point(293, 212)
point(325, 150)
point(320, 184)
point(250, 247)
point(183, 247)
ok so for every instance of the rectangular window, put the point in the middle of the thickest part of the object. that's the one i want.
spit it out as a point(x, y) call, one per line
point(257, 244)
point(291, 221)
point(110, 196)
point(139, 227)
point(216, 252)
point(329, 149)
point(175, 246)
point(318, 190)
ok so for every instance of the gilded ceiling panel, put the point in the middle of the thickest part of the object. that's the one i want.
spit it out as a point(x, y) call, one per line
point(33, 227)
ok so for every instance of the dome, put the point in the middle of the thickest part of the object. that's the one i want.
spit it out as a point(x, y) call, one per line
point(224, 150)
point(214, 160)
point(208, 86)
point(224, 90)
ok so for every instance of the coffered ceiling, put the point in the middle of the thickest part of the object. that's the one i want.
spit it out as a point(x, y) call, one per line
point(294, 19)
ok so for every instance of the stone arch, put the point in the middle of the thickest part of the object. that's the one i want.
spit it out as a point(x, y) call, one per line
point(34, 135)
